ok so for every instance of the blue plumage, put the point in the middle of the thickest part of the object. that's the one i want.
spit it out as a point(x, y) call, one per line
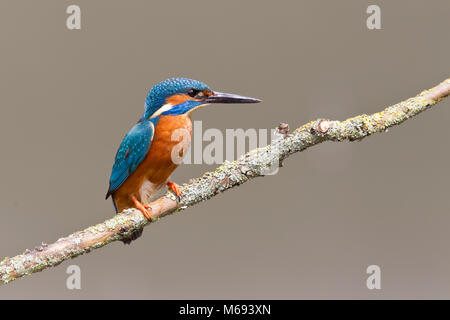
point(132, 151)
point(159, 93)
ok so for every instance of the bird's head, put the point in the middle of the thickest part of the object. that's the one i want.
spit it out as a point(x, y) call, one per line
point(178, 96)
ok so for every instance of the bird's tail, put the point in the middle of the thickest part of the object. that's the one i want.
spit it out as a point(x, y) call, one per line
point(114, 204)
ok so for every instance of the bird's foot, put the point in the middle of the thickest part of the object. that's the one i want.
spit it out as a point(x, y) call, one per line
point(142, 208)
point(175, 188)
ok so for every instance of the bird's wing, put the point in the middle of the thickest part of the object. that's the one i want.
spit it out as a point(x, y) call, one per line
point(132, 151)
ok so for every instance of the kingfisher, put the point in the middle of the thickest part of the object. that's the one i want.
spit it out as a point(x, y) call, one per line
point(155, 146)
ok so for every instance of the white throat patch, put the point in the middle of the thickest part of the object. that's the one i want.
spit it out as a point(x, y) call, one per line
point(163, 108)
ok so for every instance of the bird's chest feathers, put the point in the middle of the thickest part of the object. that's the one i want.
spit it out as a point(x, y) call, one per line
point(172, 132)
point(170, 143)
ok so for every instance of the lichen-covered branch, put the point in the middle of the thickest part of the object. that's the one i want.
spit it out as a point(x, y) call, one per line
point(258, 162)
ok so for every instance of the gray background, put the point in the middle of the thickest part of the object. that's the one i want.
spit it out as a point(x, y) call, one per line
point(68, 97)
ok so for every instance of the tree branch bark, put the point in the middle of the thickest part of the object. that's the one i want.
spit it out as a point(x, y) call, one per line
point(258, 162)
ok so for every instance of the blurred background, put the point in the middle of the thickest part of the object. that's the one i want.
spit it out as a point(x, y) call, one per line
point(67, 97)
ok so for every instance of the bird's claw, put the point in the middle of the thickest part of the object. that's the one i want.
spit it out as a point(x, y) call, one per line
point(174, 188)
point(142, 208)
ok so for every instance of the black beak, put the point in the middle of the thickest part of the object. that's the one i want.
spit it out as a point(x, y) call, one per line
point(219, 97)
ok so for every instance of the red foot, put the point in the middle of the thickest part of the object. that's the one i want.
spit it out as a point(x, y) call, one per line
point(142, 208)
point(175, 188)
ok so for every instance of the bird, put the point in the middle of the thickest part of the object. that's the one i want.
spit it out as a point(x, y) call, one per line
point(149, 153)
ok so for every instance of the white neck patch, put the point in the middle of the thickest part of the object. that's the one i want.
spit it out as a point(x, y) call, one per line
point(163, 108)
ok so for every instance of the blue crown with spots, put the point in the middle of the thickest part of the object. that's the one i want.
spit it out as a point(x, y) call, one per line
point(167, 88)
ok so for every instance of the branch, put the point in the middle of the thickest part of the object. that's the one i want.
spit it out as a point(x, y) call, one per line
point(258, 162)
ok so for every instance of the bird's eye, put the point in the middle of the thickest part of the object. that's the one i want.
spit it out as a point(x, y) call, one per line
point(193, 92)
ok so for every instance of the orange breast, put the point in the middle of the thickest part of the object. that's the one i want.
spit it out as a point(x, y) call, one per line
point(172, 137)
